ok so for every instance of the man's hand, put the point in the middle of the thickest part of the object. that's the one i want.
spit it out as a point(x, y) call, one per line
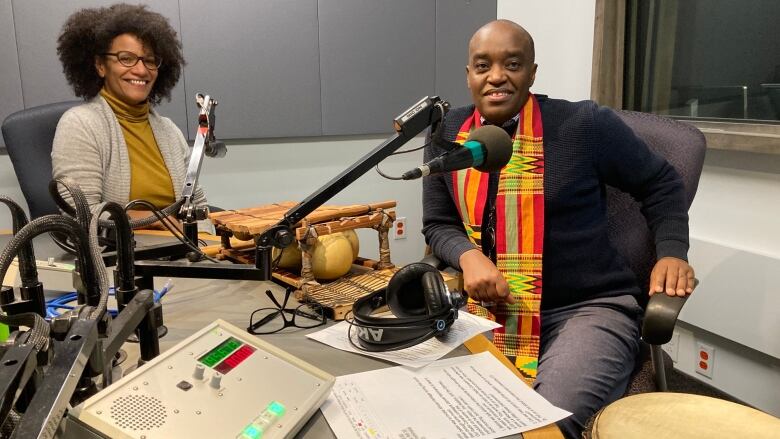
point(672, 275)
point(482, 280)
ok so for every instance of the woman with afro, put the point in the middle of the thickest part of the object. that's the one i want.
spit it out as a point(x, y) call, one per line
point(122, 60)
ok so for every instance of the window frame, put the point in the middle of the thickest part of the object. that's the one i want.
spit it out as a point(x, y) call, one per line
point(607, 88)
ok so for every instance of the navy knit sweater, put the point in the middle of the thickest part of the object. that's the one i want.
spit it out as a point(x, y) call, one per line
point(585, 148)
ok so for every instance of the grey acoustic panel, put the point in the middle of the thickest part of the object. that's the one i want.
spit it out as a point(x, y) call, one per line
point(38, 24)
point(377, 58)
point(259, 60)
point(456, 22)
point(10, 82)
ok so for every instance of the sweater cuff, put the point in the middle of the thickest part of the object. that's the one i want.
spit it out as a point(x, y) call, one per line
point(672, 248)
point(455, 251)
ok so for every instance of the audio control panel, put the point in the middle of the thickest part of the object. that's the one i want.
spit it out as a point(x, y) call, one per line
point(219, 382)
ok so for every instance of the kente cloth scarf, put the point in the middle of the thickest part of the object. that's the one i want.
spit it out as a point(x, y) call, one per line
point(519, 234)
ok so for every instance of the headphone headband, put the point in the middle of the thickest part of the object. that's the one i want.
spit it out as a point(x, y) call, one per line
point(418, 296)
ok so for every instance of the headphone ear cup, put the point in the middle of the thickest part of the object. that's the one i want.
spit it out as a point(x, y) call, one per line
point(435, 292)
point(406, 295)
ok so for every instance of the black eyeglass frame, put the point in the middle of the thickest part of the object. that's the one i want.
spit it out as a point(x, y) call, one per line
point(280, 311)
point(143, 59)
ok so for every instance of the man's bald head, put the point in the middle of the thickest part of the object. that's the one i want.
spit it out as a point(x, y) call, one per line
point(508, 26)
point(501, 69)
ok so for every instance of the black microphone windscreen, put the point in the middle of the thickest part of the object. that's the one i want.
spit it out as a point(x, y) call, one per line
point(498, 147)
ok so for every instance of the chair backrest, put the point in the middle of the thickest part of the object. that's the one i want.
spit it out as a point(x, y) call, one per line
point(683, 146)
point(28, 138)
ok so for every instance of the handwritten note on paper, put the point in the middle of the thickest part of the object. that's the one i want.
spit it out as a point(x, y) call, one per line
point(465, 327)
point(472, 397)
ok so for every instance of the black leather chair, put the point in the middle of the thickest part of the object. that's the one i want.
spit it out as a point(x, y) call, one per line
point(683, 146)
point(28, 138)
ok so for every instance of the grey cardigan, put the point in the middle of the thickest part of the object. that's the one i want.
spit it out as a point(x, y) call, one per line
point(90, 148)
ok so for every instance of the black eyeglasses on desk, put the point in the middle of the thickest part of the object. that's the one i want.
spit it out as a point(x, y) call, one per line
point(270, 320)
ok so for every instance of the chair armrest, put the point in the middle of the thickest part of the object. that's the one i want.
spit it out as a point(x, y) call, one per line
point(660, 317)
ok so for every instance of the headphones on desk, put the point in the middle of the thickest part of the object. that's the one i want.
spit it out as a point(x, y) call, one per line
point(422, 305)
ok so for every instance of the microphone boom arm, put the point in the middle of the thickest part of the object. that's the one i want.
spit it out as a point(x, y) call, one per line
point(204, 140)
point(427, 112)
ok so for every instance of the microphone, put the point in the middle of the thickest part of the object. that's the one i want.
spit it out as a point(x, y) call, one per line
point(487, 149)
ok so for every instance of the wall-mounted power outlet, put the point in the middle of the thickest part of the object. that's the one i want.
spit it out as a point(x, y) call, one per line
point(673, 347)
point(705, 359)
point(399, 228)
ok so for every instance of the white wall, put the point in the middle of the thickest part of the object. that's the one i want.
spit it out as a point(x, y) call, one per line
point(735, 248)
point(563, 36)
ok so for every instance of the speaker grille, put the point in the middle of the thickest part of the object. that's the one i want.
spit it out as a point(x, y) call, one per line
point(138, 412)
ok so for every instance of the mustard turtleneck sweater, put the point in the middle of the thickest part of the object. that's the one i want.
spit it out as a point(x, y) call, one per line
point(149, 177)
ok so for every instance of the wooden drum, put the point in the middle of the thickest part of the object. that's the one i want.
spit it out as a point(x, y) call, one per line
point(681, 415)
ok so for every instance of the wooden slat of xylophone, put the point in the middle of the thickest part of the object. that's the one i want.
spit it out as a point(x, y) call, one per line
point(275, 210)
point(326, 213)
point(246, 223)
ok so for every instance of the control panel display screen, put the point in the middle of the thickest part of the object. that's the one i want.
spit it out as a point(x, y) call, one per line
point(227, 355)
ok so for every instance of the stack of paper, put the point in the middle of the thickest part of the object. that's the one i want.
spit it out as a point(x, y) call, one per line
point(472, 396)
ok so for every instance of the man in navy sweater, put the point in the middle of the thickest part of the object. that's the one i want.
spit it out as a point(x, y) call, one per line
point(589, 328)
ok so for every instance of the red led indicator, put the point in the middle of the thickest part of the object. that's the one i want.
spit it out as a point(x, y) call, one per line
point(234, 359)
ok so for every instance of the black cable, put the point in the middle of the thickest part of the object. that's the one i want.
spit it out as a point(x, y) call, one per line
point(87, 268)
point(437, 134)
point(275, 262)
point(168, 224)
point(81, 211)
point(125, 280)
point(390, 177)
point(28, 270)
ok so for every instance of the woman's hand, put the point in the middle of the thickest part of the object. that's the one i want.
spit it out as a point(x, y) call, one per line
point(482, 280)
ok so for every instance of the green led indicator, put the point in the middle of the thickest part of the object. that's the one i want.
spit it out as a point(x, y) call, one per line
point(214, 356)
point(252, 432)
point(276, 408)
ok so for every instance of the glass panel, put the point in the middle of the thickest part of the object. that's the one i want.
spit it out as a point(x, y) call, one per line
point(703, 59)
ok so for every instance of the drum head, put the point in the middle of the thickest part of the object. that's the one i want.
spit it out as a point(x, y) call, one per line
point(681, 415)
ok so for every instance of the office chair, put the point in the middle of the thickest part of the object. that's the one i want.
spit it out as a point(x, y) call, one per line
point(683, 146)
point(28, 138)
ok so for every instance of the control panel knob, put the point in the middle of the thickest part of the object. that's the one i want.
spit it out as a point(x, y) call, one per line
point(198, 373)
point(216, 380)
